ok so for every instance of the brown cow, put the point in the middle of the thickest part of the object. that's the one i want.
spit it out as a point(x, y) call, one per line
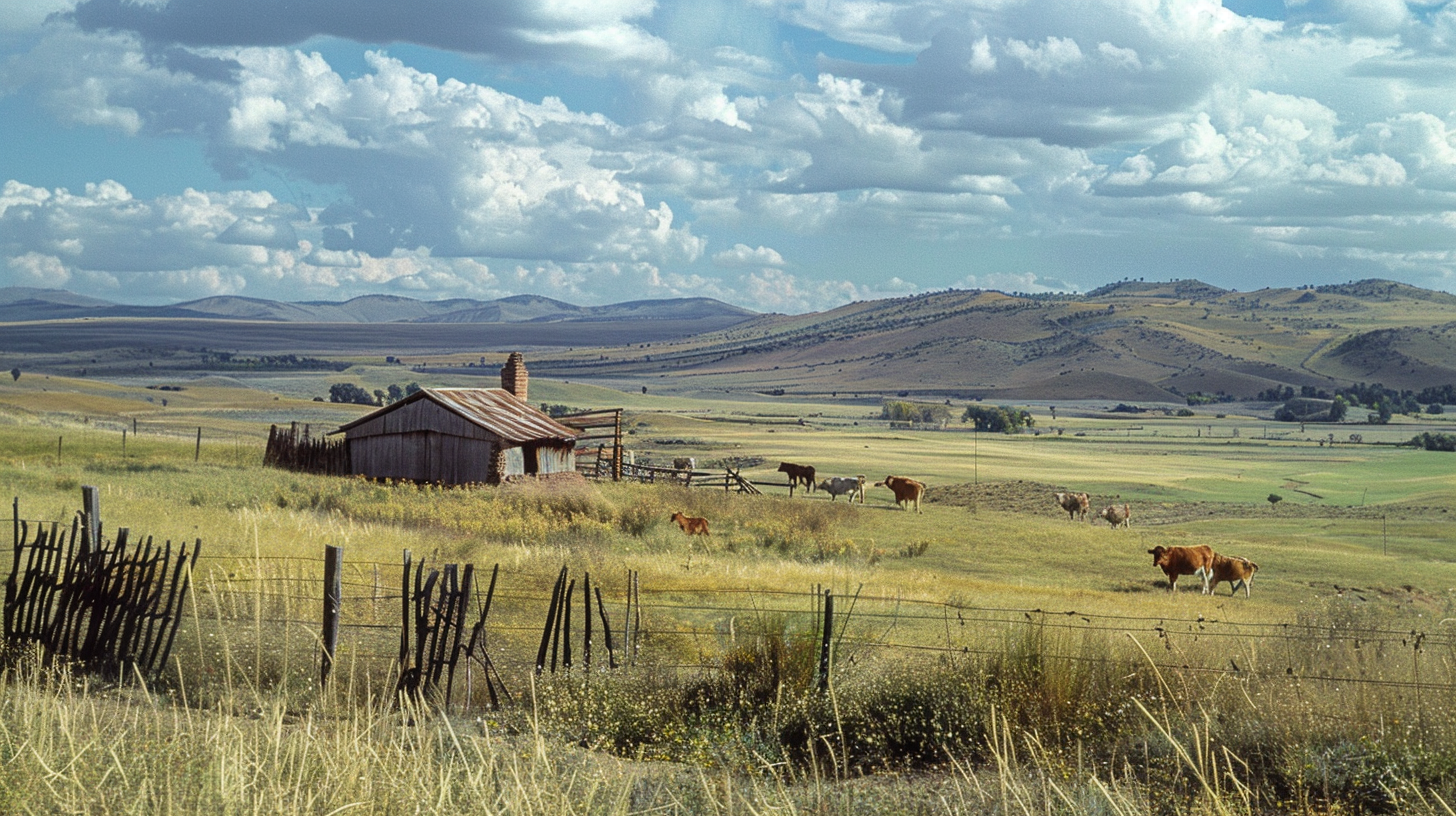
point(690, 524)
point(1233, 569)
point(1177, 561)
point(798, 474)
point(907, 491)
point(1116, 516)
point(1076, 504)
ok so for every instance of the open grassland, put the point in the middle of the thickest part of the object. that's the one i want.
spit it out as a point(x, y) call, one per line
point(998, 658)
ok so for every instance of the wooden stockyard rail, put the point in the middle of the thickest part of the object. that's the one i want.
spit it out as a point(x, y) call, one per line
point(108, 606)
point(729, 480)
point(603, 427)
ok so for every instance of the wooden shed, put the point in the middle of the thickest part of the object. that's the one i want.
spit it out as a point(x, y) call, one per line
point(458, 436)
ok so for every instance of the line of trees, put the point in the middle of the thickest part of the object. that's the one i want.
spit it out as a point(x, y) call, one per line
point(926, 412)
point(228, 361)
point(352, 394)
point(991, 418)
point(1434, 441)
point(1381, 402)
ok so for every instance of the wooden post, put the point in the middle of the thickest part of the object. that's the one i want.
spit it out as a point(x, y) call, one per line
point(606, 630)
point(617, 447)
point(565, 628)
point(405, 605)
point(123, 443)
point(333, 598)
point(197, 454)
point(550, 626)
point(59, 440)
point(133, 426)
point(627, 620)
point(825, 640)
point(91, 504)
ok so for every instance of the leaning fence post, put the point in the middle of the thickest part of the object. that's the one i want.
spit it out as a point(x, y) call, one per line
point(333, 597)
point(825, 641)
point(550, 627)
point(404, 628)
point(586, 623)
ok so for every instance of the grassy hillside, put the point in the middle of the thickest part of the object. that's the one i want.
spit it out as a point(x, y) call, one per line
point(1077, 683)
point(1130, 341)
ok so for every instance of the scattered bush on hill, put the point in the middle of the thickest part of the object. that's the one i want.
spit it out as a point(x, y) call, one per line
point(902, 411)
point(998, 418)
point(1434, 441)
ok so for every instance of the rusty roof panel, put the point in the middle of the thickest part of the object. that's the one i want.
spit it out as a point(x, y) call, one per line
point(495, 409)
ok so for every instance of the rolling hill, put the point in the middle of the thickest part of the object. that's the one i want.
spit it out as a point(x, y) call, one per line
point(25, 304)
point(1131, 341)
point(1128, 341)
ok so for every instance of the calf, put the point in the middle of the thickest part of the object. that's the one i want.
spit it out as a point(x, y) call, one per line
point(837, 486)
point(798, 475)
point(1233, 569)
point(690, 524)
point(907, 491)
point(685, 463)
point(1076, 504)
point(1116, 516)
point(1176, 561)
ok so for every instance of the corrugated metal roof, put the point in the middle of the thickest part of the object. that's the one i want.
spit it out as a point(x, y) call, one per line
point(495, 409)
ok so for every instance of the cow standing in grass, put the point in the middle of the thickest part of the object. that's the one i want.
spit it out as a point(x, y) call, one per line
point(837, 486)
point(907, 491)
point(798, 475)
point(1176, 561)
point(1234, 570)
point(1076, 505)
point(1117, 516)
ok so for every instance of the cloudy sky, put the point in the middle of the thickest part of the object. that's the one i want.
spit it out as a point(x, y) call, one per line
point(784, 155)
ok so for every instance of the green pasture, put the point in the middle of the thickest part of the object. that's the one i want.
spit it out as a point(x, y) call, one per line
point(1365, 515)
point(1072, 647)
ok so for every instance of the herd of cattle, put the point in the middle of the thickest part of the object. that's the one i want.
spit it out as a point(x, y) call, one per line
point(1200, 561)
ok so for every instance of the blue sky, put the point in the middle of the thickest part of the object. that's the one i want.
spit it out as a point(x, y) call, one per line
point(784, 155)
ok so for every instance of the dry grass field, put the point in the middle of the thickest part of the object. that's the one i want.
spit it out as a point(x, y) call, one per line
point(999, 657)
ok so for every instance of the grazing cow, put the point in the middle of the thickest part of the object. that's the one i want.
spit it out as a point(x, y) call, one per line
point(690, 524)
point(798, 475)
point(907, 491)
point(685, 463)
point(1177, 561)
point(1235, 570)
point(1116, 516)
point(1076, 505)
point(837, 486)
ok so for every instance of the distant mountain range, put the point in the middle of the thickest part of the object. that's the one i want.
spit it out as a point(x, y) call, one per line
point(1130, 341)
point(20, 304)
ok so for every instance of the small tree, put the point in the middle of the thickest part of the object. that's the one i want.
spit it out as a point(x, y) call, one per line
point(15, 373)
point(1338, 409)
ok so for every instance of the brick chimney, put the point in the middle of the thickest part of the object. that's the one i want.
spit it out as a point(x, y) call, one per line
point(513, 375)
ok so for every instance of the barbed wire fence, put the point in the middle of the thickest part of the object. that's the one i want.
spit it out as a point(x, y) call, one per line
point(266, 620)
point(269, 608)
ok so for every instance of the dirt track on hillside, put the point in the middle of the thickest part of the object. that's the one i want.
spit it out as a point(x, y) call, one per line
point(1036, 498)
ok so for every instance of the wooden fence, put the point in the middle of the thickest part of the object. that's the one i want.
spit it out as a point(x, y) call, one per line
point(292, 449)
point(110, 606)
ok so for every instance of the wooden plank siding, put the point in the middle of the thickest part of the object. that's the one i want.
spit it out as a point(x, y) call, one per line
point(422, 456)
point(424, 441)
